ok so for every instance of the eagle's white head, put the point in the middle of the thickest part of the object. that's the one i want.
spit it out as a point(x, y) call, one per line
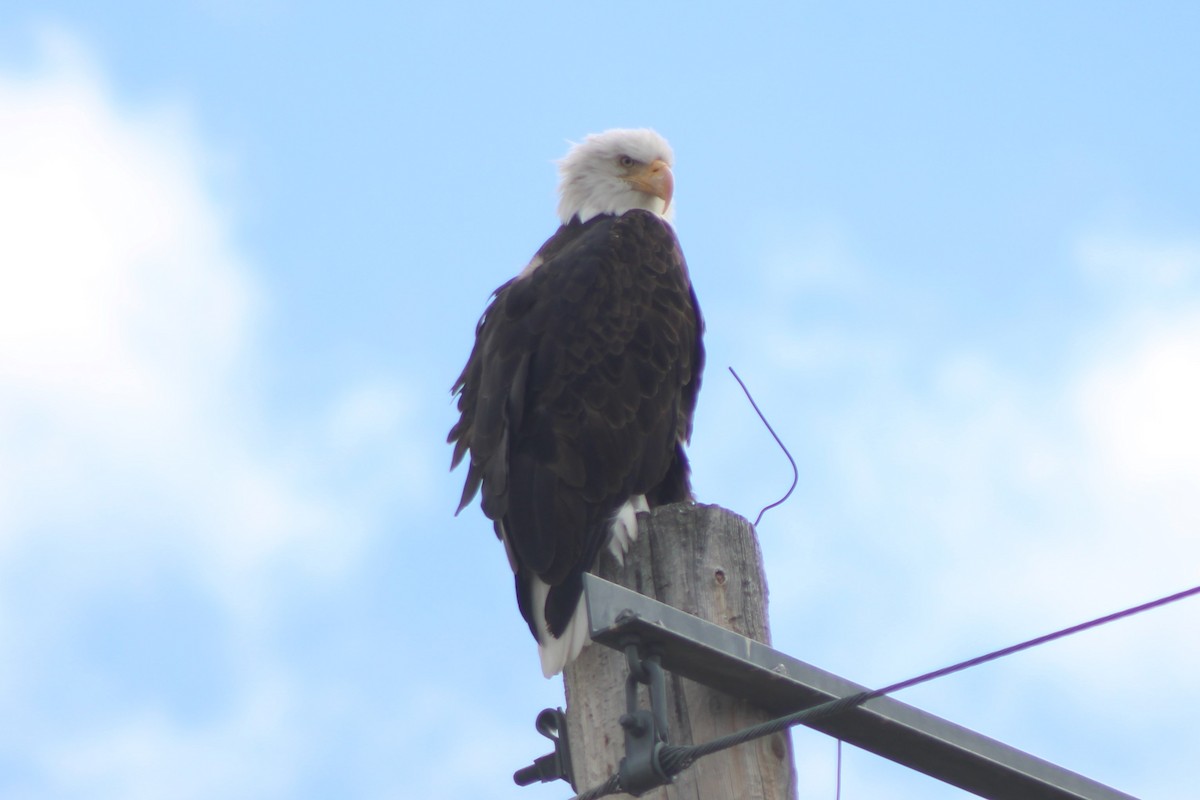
point(614, 172)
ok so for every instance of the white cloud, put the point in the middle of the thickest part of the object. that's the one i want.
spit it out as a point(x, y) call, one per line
point(126, 340)
point(137, 451)
point(123, 304)
point(115, 259)
point(1140, 403)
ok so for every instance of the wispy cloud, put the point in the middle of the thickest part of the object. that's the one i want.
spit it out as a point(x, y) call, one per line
point(147, 754)
point(953, 499)
point(1125, 261)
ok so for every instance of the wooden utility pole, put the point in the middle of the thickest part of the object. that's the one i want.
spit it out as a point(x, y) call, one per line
point(703, 560)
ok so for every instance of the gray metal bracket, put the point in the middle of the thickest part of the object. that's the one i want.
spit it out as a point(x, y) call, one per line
point(779, 684)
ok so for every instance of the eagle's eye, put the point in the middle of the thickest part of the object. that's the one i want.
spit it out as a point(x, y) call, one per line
point(626, 161)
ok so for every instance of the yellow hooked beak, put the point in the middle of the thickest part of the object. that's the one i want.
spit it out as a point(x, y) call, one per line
point(654, 179)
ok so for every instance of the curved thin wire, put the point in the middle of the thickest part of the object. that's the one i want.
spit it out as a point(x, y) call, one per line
point(795, 471)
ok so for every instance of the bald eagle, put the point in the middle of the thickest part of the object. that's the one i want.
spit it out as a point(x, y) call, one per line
point(578, 396)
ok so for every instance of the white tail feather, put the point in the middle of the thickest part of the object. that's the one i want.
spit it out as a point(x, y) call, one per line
point(556, 653)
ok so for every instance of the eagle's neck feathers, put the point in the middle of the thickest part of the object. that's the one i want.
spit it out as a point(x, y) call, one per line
point(586, 200)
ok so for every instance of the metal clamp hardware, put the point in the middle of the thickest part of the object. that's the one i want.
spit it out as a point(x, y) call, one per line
point(556, 766)
point(646, 730)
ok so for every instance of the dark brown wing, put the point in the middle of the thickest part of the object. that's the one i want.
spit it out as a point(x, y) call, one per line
point(578, 395)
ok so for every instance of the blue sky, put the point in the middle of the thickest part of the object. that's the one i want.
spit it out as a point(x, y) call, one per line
point(952, 248)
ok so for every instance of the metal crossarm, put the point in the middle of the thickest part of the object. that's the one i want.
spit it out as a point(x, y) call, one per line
point(779, 684)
